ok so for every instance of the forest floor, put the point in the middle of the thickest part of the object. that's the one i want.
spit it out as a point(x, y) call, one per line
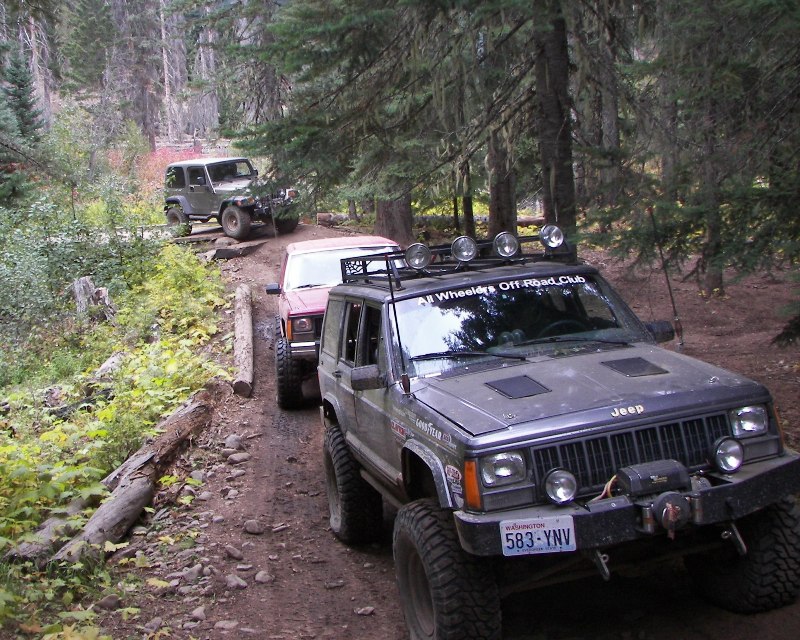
point(253, 556)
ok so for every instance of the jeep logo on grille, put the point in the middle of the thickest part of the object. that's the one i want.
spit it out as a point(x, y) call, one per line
point(618, 412)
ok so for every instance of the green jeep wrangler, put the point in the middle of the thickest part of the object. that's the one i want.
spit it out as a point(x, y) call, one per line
point(223, 189)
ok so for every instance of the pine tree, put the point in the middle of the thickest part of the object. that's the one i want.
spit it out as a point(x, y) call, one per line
point(21, 98)
point(89, 35)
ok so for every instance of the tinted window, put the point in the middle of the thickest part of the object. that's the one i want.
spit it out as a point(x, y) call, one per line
point(351, 332)
point(197, 175)
point(175, 178)
point(333, 325)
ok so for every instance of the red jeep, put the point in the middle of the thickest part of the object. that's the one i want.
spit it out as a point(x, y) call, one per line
point(308, 271)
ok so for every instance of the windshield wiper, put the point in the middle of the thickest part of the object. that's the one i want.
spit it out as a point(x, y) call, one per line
point(569, 339)
point(436, 355)
point(308, 286)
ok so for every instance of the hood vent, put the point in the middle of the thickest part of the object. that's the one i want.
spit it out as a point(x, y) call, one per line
point(634, 367)
point(517, 387)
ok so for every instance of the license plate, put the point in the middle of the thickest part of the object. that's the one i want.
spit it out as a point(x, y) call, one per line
point(554, 534)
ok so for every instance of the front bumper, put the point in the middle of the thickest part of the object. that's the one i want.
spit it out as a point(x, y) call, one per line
point(304, 350)
point(616, 520)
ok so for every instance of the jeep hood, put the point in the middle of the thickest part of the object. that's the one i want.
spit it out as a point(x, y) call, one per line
point(550, 395)
point(307, 301)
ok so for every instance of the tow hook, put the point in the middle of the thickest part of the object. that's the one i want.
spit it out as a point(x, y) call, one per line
point(732, 534)
point(601, 561)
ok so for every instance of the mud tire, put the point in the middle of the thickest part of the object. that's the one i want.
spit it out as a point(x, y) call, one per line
point(446, 593)
point(767, 577)
point(288, 376)
point(236, 222)
point(178, 222)
point(356, 509)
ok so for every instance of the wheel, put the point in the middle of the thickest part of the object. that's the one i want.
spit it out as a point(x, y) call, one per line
point(286, 224)
point(288, 376)
point(446, 593)
point(356, 508)
point(767, 577)
point(236, 222)
point(178, 221)
point(560, 327)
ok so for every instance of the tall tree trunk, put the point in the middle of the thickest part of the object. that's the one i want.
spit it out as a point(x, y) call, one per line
point(466, 203)
point(393, 219)
point(502, 196)
point(169, 106)
point(555, 128)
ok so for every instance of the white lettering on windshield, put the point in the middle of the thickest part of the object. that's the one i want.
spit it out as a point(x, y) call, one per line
point(510, 285)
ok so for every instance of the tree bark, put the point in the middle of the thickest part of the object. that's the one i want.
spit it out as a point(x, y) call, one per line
point(243, 342)
point(393, 220)
point(502, 183)
point(555, 128)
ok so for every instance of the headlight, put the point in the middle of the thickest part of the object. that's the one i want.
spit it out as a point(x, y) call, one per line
point(502, 469)
point(560, 486)
point(245, 201)
point(302, 325)
point(727, 455)
point(748, 421)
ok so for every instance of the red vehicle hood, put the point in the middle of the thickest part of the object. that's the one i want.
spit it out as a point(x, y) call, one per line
point(307, 301)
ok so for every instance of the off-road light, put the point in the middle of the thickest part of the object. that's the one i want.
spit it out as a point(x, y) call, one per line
point(560, 486)
point(551, 236)
point(748, 421)
point(727, 455)
point(418, 256)
point(464, 249)
point(505, 244)
point(502, 468)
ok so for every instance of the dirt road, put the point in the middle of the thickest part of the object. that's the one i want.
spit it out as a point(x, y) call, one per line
point(252, 555)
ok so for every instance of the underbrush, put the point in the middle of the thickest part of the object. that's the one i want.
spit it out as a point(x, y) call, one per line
point(63, 427)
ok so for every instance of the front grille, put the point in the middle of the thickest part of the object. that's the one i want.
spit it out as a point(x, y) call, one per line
point(594, 460)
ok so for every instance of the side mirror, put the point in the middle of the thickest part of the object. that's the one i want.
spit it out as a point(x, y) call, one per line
point(273, 288)
point(200, 181)
point(661, 330)
point(366, 378)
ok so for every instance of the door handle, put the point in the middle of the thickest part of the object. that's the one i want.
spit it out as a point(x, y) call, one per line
point(337, 374)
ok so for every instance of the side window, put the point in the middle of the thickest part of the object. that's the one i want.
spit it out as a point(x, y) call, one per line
point(333, 326)
point(351, 332)
point(371, 337)
point(197, 176)
point(175, 178)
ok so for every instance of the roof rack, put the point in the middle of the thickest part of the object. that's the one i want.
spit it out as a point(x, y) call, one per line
point(391, 269)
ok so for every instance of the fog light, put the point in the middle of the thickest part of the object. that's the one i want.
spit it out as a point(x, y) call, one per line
point(464, 249)
point(505, 244)
point(728, 455)
point(418, 256)
point(551, 236)
point(560, 486)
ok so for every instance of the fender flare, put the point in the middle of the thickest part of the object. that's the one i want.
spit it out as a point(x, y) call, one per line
point(179, 200)
point(434, 465)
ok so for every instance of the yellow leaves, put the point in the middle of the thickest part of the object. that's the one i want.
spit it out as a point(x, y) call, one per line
point(156, 583)
point(111, 547)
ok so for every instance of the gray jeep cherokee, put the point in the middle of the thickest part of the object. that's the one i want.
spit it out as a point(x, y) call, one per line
point(223, 188)
point(528, 428)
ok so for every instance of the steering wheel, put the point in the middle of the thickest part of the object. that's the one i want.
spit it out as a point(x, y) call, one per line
point(562, 326)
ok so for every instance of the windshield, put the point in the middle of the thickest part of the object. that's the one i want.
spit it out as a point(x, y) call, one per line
point(323, 268)
point(562, 314)
point(230, 171)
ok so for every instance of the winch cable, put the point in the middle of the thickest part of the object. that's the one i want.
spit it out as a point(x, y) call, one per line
point(676, 318)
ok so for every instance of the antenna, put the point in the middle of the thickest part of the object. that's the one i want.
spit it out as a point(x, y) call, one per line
point(676, 317)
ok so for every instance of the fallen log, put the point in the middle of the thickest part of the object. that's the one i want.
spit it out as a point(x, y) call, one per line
point(132, 488)
point(243, 342)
